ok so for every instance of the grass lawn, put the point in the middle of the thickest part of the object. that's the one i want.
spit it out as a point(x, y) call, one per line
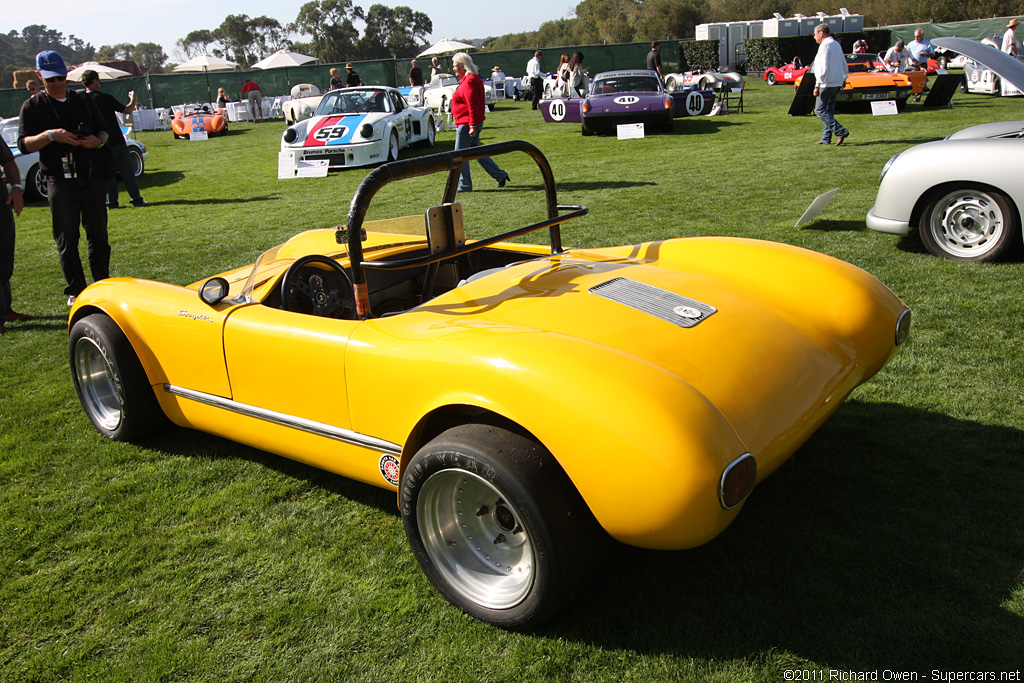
point(893, 540)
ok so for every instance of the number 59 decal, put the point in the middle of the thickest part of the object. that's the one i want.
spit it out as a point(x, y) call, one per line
point(332, 133)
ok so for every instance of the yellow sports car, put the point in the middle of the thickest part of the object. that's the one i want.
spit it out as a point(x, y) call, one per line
point(521, 400)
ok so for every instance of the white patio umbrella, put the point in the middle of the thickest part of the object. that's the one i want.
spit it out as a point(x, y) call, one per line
point(206, 63)
point(446, 45)
point(282, 59)
point(106, 73)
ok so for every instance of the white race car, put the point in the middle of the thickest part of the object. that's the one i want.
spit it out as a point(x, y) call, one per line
point(703, 80)
point(305, 99)
point(438, 93)
point(964, 194)
point(359, 126)
point(34, 182)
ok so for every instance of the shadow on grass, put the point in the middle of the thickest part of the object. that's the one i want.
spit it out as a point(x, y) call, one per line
point(835, 226)
point(160, 178)
point(185, 442)
point(890, 540)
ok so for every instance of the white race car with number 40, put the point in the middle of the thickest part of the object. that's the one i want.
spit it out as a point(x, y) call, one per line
point(359, 127)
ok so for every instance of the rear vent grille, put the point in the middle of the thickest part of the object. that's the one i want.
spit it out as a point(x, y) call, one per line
point(667, 306)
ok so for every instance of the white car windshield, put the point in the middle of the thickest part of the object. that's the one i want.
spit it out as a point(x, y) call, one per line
point(9, 131)
point(354, 101)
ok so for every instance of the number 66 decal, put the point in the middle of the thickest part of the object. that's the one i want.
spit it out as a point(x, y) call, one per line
point(332, 133)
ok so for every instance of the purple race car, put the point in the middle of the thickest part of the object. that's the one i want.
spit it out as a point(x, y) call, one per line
point(685, 102)
point(633, 96)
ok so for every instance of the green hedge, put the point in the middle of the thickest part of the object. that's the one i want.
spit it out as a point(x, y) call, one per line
point(763, 53)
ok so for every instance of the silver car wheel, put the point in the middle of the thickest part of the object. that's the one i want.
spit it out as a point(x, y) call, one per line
point(967, 223)
point(474, 539)
point(97, 383)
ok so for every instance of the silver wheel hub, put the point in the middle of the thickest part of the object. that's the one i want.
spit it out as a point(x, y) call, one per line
point(474, 539)
point(966, 222)
point(96, 379)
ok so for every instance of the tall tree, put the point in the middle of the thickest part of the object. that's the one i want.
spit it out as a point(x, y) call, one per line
point(608, 21)
point(149, 56)
point(235, 34)
point(393, 32)
point(330, 23)
point(268, 36)
point(194, 44)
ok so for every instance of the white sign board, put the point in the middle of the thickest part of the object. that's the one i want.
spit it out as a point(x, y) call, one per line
point(287, 167)
point(816, 207)
point(629, 131)
point(884, 108)
point(198, 135)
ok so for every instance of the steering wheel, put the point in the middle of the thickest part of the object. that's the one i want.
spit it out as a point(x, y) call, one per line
point(317, 285)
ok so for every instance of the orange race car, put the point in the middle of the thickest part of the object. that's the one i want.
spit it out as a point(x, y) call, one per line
point(198, 118)
point(869, 79)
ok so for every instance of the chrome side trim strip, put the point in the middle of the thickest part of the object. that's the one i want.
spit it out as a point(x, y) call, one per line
point(302, 424)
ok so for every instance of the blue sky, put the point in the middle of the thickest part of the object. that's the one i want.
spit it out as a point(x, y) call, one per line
point(107, 22)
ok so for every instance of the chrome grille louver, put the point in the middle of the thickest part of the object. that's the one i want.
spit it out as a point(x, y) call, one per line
point(668, 306)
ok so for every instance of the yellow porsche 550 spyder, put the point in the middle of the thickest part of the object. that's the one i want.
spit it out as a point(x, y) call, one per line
point(521, 400)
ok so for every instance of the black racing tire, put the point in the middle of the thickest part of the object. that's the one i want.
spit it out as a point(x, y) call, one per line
point(138, 161)
point(393, 147)
point(496, 525)
point(587, 131)
point(431, 132)
point(970, 223)
point(110, 381)
point(771, 78)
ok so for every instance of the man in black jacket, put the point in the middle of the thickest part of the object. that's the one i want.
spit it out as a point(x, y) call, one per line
point(67, 130)
point(107, 105)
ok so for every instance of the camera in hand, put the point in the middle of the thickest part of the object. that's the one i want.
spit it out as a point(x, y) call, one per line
point(84, 130)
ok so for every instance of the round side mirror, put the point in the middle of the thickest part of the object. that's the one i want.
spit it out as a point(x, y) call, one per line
point(214, 290)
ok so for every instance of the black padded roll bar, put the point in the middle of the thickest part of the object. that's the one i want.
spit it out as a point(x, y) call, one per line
point(436, 163)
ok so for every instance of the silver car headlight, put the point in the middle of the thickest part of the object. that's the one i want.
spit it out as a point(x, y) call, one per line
point(885, 169)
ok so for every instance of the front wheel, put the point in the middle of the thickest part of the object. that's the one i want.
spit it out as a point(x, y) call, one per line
point(771, 78)
point(670, 84)
point(970, 224)
point(111, 382)
point(496, 525)
point(35, 184)
point(393, 147)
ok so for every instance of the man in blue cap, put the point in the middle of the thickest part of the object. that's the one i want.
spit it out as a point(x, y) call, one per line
point(67, 130)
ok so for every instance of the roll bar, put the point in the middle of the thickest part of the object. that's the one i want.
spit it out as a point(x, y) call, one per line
point(451, 162)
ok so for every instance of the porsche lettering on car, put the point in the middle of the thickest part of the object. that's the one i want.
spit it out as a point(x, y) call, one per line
point(359, 126)
point(964, 194)
point(522, 401)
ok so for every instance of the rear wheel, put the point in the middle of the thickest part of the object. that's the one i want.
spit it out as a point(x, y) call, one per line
point(111, 382)
point(138, 162)
point(431, 132)
point(496, 525)
point(771, 78)
point(35, 184)
point(970, 224)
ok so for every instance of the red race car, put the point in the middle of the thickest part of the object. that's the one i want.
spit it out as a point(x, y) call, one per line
point(198, 118)
point(785, 74)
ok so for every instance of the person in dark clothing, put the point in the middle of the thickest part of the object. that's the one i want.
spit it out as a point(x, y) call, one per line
point(654, 58)
point(415, 75)
point(66, 129)
point(10, 206)
point(107, 105)
point(352, 80)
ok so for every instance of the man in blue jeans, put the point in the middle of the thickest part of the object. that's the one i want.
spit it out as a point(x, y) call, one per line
point(107, 105)
point(830, 73)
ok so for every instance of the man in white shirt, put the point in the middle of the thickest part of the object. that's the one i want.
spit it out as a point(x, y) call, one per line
point(1010, 45)
point(921, 49)
point(897, 58)
point(830, 73)
point(536, 77)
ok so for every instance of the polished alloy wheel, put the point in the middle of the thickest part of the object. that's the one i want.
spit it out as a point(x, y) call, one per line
point(98, 387)
point(473, 536)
